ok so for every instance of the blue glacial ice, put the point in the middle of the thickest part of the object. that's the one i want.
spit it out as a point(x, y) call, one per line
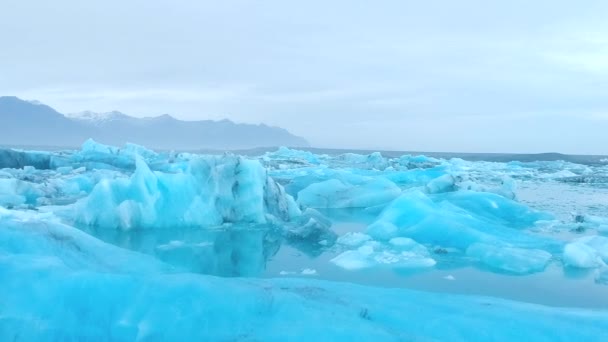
point(587, 252)
point(210, 191)
point(355, 192)
point(400, 252)
point(484, 226)
point(175, 246)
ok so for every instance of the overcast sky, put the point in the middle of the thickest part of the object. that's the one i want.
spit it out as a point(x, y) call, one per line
point(472, 76)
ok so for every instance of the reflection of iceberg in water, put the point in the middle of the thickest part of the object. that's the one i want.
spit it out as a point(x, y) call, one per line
point(234, 252)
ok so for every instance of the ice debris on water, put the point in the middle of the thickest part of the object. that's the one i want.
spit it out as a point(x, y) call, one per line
point(587, 252)
point(466, 207)
point(398, 253)
point(309, 272)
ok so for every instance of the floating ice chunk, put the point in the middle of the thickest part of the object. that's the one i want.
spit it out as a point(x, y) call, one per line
point(9, 194)
point(601, 275)
point(64, 169)
point(15, 159)
point(373, 254)
point(353, 239)
point(506, 188)
point(412, 178)
point(403, 243)
point(592, 221)
point(15, 192)
point(93, 155)
point(382, 230)
point(462, 219)
point(310, 227)
point(353, 260)
point(171, 245)
point(459, 218)
point(374, 160)
point(581, 255)
point(510, 259)
point(420, 161)
point(444, 183)
point(129, 150)
point(309, 272)
point(335, 193)
point(558, 174)
point(599, 243)
point(294, 158)
point(496, 208)
point(449, 277)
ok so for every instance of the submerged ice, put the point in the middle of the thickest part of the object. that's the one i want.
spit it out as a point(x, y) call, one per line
point(174, 219)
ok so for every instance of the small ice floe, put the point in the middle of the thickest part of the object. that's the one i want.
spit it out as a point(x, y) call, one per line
point(309, 271)
point(171, 245)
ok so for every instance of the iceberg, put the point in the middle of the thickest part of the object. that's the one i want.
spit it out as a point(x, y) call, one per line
point(356, 193)
point(488, 227)
point(211, 191)
point(587, 252)
point(94, 155)
point(581, 255)
point(313, 228)
point(15, 192)
point(287, 158)
point(400, 253)
point(18, 159)
point(373, 160)
point(510, 259)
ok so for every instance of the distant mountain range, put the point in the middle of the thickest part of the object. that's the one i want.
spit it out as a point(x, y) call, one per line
point(30, 123)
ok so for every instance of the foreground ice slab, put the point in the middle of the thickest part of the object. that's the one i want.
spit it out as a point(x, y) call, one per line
point(66, 285)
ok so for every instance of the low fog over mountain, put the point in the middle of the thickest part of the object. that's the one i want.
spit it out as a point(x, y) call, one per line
point(35, 124)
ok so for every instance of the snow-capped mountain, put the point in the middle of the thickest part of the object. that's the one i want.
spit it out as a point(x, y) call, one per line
point(97, 119)
point(31, 123)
